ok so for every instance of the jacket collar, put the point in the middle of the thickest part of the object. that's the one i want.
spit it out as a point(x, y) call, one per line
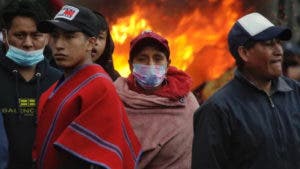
point(10, 66)
point(278, 84)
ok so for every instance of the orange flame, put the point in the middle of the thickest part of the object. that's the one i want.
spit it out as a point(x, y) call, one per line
point(198, 42)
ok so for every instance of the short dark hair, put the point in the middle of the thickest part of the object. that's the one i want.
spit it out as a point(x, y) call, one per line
point(238, 60)
point(27, 8)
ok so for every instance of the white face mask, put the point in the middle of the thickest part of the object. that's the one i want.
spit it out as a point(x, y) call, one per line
point(149, 76)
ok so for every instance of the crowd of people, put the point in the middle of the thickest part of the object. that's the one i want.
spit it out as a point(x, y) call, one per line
point(64, 106)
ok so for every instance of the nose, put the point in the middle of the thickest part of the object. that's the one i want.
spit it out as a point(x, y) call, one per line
point(58, 43)
point(278, 48)
point(28, 43)
point(151, 61)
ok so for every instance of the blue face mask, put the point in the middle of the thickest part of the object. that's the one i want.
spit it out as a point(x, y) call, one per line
point(25, 58)
point(149, 76)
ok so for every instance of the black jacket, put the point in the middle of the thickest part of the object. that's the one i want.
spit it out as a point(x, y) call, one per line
point(18, 104)
point(241, 127)
point(3, 145)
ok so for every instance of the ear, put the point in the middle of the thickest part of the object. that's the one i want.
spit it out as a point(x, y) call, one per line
point(244, 53)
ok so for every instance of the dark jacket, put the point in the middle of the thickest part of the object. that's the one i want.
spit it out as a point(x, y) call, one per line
point(241, 127)
point(18, 105)
point(3, 145)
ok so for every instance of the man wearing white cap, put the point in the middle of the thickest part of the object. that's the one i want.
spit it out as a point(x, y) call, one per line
point(254, 120)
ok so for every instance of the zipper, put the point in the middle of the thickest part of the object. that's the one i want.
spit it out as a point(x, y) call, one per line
point(278, 127)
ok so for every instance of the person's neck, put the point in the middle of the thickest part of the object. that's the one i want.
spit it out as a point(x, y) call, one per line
point(260, 82)
point(69, 71)
point(27, 72)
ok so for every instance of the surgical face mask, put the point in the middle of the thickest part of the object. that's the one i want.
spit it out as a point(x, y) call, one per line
point(149, 76)
point(25, 58)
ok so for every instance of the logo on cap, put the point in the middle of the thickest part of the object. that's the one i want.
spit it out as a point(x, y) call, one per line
point(67, 12)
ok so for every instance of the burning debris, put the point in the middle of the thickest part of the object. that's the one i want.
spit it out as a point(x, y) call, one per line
point(196, 30)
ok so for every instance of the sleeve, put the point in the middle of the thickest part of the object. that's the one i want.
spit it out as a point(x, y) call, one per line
point(211, 143)
point(101, 134)
point(3, 145)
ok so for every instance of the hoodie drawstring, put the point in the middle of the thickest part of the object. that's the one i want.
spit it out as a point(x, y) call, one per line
point(15, 72)
point(37, 96)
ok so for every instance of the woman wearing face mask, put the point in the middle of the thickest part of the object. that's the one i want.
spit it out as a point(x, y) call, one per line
point(159, 104)
point(104, 48)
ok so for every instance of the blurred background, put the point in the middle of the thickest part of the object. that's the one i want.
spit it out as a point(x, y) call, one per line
point(196, 30)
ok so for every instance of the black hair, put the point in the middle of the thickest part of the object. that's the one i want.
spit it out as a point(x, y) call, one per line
point(105, 60)
point(145, 43)
point(50, 6)
point(27, 8)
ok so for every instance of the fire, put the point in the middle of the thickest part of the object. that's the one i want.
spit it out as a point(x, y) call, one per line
point(198, 42)
point(126, 28)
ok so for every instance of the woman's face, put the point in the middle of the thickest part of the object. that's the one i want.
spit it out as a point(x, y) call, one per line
point(99, 47)
point(150, 56)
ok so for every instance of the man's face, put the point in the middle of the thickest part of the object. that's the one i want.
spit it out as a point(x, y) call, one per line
point(71, 49)
point(23, 34)
point(264, 60)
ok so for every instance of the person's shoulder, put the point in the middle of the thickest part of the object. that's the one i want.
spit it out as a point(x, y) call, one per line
point(224, 93)
point(293, 85)
point(291, 82)
point(52, 71)
point(221, 99)
point(102, 79)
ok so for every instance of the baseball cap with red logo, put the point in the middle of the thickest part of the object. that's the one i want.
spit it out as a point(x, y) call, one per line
point(73, 19)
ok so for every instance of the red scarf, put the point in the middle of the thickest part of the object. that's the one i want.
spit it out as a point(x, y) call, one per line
point(177, 85)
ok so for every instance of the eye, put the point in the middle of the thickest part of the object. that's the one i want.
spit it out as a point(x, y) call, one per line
point(37, 35)
point(141, 59)
point(101, 37)
point(271, 42)
point(158, 58)
point(70, 35)
point(19, 35)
